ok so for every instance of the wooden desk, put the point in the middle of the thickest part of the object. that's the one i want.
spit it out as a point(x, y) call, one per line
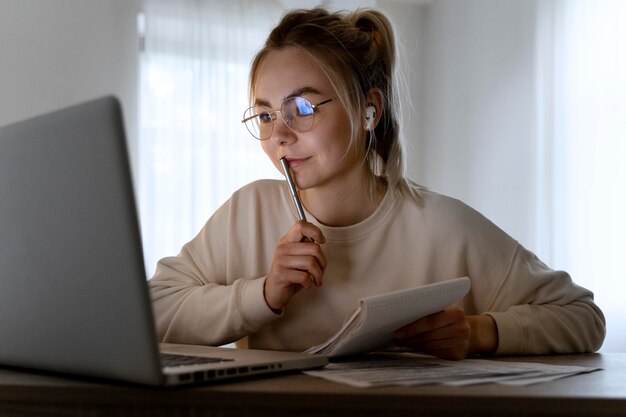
point(601, 393)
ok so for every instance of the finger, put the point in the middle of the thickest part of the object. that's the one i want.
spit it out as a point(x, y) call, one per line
point(447, 348)
point(441, 336)
point(312, 232)
point(449, 342)
point(303, 264)
point(296, 277)
point(302, 249)
point(305, 231)
point(434, 321)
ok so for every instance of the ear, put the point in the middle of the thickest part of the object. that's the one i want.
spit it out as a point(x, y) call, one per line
point(374, 109)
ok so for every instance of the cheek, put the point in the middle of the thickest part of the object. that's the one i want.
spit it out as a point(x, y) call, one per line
point(268, 148)
point(338, 138)
point(341, 131)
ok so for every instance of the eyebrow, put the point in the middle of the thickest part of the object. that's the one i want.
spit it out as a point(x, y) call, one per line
point(295, 93)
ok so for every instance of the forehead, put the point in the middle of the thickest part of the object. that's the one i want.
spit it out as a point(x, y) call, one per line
point(284, 72)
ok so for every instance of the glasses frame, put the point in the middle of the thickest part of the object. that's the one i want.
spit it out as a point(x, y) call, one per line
point(273, 116)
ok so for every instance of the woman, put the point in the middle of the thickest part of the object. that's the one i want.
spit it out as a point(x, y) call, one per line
point(324, 98)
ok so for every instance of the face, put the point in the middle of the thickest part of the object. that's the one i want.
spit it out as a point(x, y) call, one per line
point(321, 156)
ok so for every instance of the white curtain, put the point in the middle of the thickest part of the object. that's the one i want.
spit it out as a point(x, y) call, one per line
point(583, 128)
point(194, 152)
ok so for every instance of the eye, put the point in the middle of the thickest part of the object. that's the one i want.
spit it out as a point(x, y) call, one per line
point(303, 107)
point(264, 118)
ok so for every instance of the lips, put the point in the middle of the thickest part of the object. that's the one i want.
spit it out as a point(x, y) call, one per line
point(295, 162)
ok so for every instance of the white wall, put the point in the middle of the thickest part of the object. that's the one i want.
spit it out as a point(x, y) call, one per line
point(58, 53)
point(477, 137)
point(408, 21)
point(468, 103)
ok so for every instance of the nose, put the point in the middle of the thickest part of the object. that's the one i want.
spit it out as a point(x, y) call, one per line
point(281, 133)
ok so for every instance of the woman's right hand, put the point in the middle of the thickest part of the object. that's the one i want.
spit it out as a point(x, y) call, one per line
point(298, 263)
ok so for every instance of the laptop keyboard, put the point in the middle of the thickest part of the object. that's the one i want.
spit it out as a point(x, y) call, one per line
point(171, 360)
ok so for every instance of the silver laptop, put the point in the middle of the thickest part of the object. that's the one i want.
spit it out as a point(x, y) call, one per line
point(73, 291)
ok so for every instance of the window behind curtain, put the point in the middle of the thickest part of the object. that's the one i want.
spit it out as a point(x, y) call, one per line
point(194, 152)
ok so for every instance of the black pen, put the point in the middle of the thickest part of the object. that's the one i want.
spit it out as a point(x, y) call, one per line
point(293, 189)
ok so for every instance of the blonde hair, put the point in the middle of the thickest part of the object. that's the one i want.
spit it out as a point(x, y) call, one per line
point(357, 52)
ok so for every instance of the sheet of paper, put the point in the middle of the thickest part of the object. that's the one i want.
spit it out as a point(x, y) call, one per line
point(409, 369)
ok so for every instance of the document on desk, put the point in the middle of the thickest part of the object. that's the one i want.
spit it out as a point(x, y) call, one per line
point(374, 322)
point(375, 370)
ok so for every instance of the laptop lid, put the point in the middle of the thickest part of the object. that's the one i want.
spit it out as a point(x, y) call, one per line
point(72, 279)
point(73, 290)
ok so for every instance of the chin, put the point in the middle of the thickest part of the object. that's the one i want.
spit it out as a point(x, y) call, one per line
point(304, 185)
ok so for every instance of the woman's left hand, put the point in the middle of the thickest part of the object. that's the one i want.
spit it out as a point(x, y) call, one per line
point(450, 334)
point(445, 334)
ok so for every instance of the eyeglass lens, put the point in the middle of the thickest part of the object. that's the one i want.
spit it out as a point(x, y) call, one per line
point(296, 112)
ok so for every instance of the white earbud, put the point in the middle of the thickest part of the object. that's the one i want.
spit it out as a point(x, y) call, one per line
point(370, 114)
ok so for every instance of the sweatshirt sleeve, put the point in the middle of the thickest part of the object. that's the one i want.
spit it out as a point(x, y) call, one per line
point(539, 310)
point(202, 295)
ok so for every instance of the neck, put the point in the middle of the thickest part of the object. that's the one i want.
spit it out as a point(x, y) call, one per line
point(347, 203)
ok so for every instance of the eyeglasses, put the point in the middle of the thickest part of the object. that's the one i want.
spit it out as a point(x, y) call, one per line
point(297, 113)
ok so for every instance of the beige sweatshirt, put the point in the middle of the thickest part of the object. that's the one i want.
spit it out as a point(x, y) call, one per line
point(212, 292)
